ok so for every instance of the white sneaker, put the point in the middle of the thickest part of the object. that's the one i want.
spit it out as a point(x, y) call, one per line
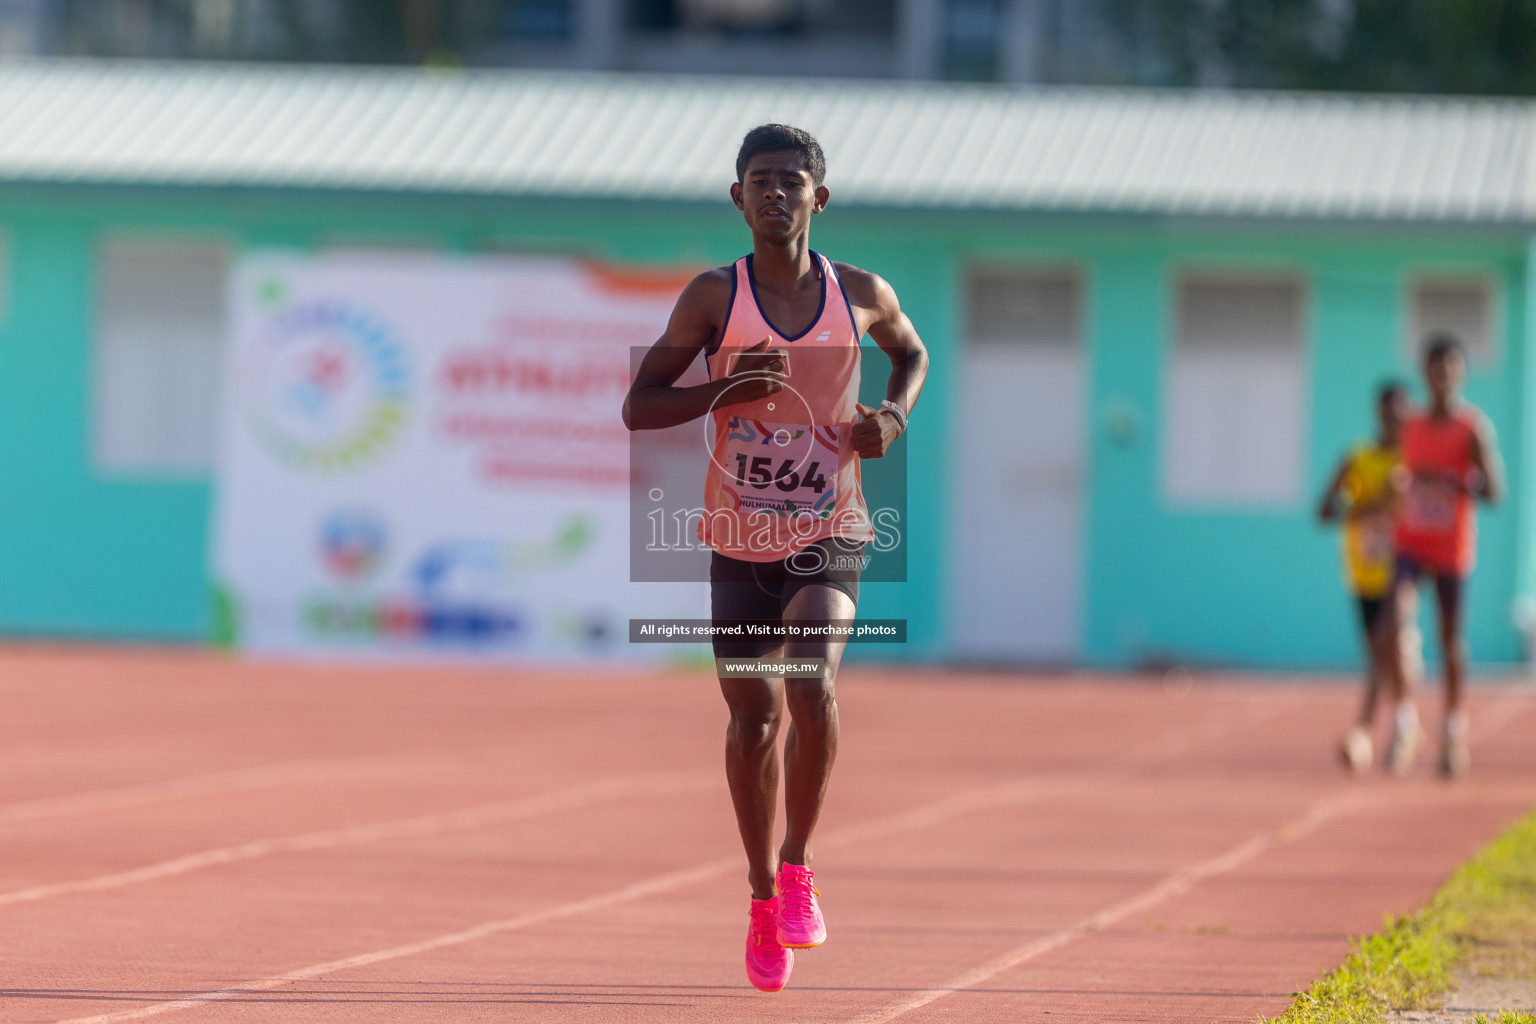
point(1357, 750)
point(1455, 754)
point(1404, 747)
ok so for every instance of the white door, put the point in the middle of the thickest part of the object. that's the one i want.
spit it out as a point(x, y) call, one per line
point(1017, 501)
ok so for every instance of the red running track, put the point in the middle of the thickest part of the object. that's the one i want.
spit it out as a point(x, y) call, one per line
point(189, 838)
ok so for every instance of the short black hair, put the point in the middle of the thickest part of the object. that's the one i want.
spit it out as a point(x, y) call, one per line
point(1390, 388)
point(1441, 344)
point(781, 138)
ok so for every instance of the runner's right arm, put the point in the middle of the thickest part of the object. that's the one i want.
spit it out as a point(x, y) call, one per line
point(654, 403)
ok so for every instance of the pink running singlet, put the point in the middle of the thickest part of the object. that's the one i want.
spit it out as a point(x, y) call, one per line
point(783, 474)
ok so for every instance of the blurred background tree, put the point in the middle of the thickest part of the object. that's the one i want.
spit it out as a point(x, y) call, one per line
point(1434, 46)
point(1450, 46)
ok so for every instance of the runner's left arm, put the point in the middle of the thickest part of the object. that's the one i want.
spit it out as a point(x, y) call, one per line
point(897, 338)
point(1490, 467)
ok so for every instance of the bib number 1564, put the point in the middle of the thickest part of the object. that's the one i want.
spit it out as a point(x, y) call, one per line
point(786, 468)
point(760, 474)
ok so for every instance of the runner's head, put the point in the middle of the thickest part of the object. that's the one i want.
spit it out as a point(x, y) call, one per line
point(1445, 367)
point(1391, 411)
point(779, 175)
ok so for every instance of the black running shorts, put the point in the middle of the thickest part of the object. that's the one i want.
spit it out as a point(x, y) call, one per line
point(741, 591)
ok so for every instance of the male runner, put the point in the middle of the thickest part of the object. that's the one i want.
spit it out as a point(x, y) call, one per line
point(1361, 492)
point(784, 510)
point(1450, 460)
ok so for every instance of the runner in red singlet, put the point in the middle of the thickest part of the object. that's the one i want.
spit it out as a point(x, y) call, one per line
point(1449, 461)
point(784, 510)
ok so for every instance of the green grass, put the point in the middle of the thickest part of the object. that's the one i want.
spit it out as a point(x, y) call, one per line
point(1483, 921)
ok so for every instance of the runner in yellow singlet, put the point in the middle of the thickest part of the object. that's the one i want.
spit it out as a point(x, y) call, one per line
point(1361, 492)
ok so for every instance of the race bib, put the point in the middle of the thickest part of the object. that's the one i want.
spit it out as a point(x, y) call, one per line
point(1375, 533)
point(785, 468)
point(1430, 507)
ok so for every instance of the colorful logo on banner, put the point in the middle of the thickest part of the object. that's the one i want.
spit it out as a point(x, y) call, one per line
point(463, 588)
point(352, 544)
point(332, 385)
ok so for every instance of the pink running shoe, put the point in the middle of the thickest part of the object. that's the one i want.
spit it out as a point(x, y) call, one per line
point(768, 963)
point(800, 922)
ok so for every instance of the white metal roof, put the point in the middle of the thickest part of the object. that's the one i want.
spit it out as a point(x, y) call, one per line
point(888, 144)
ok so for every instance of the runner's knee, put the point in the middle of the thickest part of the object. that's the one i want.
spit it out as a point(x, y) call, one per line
point(809, 699)
point(1454, 647)
point(751, 732)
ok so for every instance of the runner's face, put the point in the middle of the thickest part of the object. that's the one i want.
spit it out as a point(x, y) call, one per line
point(777, 196)
point(1390, 413)
point(1444, 375)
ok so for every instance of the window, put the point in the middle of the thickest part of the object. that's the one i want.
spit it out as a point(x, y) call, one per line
point(1234, 413)
point(710, 15)
point(540, 20)
point(159, 337)
point(764, 16)
point(1462, 306)
point(1031, 307)
point(972, 31)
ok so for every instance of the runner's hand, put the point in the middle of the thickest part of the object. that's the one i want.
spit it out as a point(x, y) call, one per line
point(760, 359)
point(1445, 480)
point(873, 434)
point(761, 372)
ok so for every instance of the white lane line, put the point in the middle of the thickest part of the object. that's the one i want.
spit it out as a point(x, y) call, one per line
point(1499, 711)
point(1000, 795)
point(570, 798)
point(1158, 749)
point(242, 779)
point(1255, 710)
point(1008, 794)
point(1178, 882)
point(1341, 801)
point(984, 798)
point(649, 887)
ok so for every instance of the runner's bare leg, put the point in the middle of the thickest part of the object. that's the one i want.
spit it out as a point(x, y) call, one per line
point(1405, 613)
point(752, 770)
point(1453, 649)
point(810, 748)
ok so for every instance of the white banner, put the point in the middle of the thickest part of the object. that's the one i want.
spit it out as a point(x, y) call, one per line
point(424, 455)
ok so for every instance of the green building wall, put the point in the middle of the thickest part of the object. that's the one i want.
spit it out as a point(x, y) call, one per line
point(1264, 587)
point(90, 555)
